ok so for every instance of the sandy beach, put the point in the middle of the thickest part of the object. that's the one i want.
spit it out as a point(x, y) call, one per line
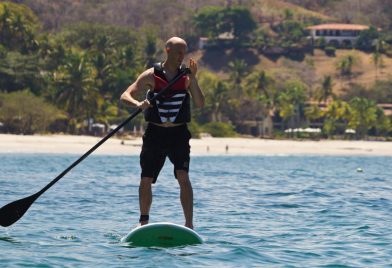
point(205, 146)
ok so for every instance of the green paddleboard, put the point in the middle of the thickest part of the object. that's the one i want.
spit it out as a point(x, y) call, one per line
point(162, 234)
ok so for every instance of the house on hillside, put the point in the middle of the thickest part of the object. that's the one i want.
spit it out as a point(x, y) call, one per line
point(222, 39)
point(386, 107)
point(336, 34)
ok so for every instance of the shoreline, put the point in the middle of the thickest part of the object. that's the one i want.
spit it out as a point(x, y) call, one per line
point(72, 144)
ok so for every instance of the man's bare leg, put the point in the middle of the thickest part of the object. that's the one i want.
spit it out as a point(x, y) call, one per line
point(145, 197)
point(186, 196)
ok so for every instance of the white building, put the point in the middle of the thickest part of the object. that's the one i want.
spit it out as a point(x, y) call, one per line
point(337, 34)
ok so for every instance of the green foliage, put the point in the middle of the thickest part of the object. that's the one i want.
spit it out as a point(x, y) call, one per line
point(97, 37)
point(18, 25)
point(19, 71)
point(320, 43)
point(219, 129)
point(209, 21)
point(325, 91)
point(216, 93)
point(75, 89)
point(238, 69)
point(346, 63)
point(313, 112)
point(22, 112)
point(291, 99)
point(330, 51)
point(363, 115)
point(338, 112)
point(290, 32)
point(212, 21)
point(383, 124)
point(194, 129)
point(366, 39)
point(150, 50)
point(83, 68)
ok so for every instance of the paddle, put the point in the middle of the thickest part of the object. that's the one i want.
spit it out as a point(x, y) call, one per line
point(11, 213)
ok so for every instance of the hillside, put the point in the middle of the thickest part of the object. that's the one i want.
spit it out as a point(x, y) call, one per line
point(175, 13)
point(312, 69)
point(275, 9)
point(55, 15)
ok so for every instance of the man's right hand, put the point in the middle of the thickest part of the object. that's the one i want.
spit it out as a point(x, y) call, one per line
point(144, 105)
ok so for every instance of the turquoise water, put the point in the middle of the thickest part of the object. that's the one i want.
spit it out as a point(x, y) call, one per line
point(283, 211)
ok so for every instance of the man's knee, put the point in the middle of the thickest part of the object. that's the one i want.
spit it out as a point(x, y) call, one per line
point(146, 181)
point(182, 176)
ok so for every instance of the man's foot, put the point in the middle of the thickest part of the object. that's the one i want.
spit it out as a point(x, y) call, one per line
point(190, 226)
point(142, 223)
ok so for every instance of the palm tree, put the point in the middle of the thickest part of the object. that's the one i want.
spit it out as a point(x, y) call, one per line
point(150, 49)
point(238, 70)
point(363, 115)
point(291, 101)
point(104, 72)
point(346, 64)
point(338, 112)
point(325, 90)
point(75, 91)
point(215, 91)
point(220, 95)
point(261, 87)
point(377, 58)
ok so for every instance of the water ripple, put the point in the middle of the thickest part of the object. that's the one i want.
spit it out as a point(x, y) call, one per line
point(286, 211)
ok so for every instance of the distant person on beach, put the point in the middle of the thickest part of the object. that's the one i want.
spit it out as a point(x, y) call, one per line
point(167, 134)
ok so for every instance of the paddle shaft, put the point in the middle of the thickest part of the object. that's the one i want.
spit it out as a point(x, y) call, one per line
point(111, 133)
point(13, 211)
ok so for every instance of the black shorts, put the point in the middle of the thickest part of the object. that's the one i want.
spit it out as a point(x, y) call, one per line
point(160, 142)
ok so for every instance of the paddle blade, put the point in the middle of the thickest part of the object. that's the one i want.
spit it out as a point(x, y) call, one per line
point(11, 213)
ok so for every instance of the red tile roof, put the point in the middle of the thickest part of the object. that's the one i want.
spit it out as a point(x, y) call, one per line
point(338, 26)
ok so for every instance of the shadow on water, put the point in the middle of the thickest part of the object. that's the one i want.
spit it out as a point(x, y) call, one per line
point(9, 240)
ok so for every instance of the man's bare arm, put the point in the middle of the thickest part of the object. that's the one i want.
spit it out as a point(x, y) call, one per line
point(196, 92)
point(143, 82)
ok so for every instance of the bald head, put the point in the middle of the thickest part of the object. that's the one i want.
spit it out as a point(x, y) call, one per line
point(175, 42)
point(175, 50)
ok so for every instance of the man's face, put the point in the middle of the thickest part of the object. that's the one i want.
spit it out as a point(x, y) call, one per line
point(176, 53)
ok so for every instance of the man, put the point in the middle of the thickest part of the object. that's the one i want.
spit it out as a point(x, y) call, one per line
point(166, 134)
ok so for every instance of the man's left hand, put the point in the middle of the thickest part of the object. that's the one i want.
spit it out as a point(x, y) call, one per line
point(193, 67)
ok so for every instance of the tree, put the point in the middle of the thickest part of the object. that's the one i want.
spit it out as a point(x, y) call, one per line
point(75, 91)
point(22, 112)
point(17, 27)
point(383, 124)
point(213, 21)
point(291, 101)
point(150, 49)
point(262, 87)
point(325, 91)
point(216, 94)
point(238, 70)
point(208, 21)
point(366, 38)
point(19, 71)
point(377, 58)
point(363, 115)
point(290, 32)
point(241, 21)
point(346, 63)
point(337, 113)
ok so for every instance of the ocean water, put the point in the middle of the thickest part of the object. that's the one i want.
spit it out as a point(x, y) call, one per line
point(264, 211)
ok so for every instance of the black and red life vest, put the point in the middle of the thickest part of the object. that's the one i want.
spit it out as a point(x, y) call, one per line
point(174, 105)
